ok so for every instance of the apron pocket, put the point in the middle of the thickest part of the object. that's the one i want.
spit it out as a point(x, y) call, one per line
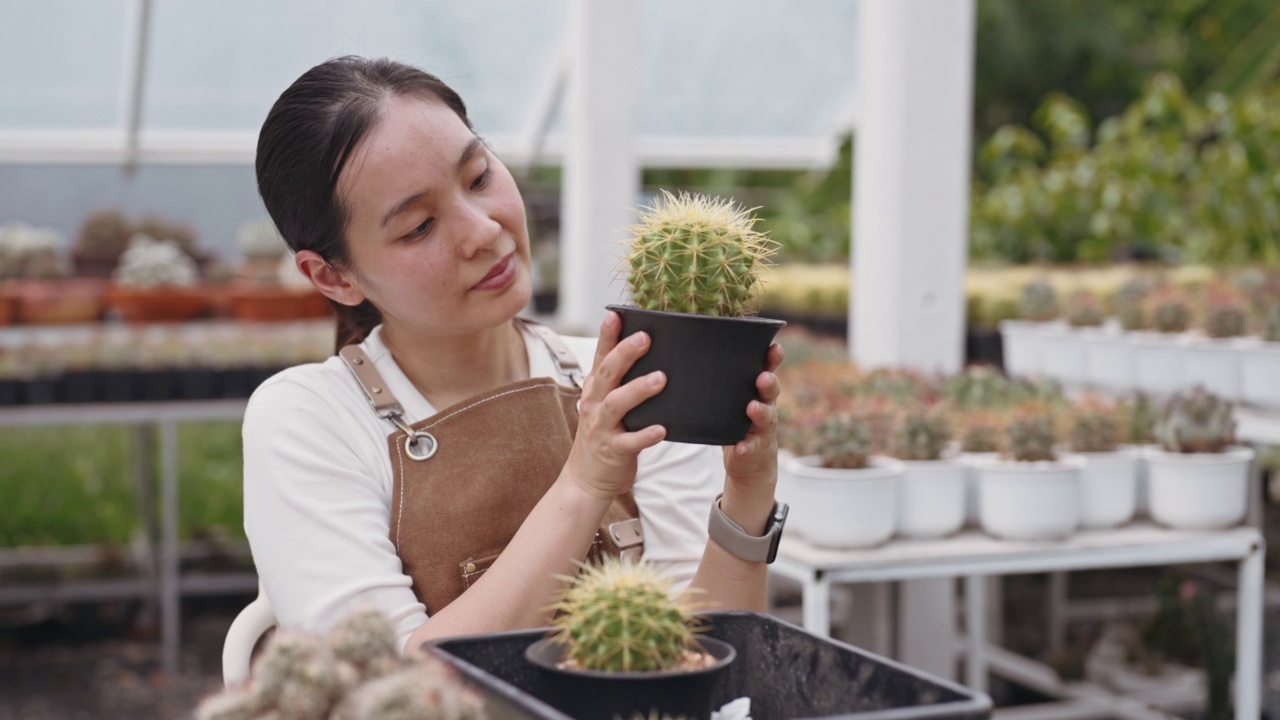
point(473, 568)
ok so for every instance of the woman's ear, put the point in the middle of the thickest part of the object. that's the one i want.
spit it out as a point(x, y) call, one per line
point(332, 283)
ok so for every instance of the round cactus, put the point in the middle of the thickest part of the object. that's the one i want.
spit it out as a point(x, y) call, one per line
point(981, 432)
point(152, 263)
point(1083, 310)
point(1032, 435)
point(923, 434)
point(846, 440)
point(105, 234)
point(366, 640)
point(696, 254)
point(1196, 421)
point(1095, 427)
point(1039, 302)
point(619, 615)
point(1225, 318)
point(427, 689)
point(260, 239)
point(1170, 313)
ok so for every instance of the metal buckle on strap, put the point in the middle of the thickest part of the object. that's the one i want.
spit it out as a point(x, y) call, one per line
point(419, 445)
point(627, 533)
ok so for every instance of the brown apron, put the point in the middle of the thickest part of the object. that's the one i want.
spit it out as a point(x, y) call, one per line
point(466, 478)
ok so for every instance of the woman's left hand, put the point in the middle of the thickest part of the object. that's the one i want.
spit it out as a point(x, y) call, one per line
point(752, 464)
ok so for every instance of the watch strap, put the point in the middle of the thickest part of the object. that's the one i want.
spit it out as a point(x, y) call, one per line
point(733, 538)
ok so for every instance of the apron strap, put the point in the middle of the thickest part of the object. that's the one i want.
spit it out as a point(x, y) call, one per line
point(388, 408)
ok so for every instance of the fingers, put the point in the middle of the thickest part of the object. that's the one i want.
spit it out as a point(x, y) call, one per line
point(622, 400)
point(610, 328)
point(774, 358)
point(613, 365)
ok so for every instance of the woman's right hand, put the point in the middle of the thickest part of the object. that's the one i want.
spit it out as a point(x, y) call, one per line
point(603, 458)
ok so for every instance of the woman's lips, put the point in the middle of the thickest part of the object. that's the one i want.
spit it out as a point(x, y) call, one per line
point(500, 275)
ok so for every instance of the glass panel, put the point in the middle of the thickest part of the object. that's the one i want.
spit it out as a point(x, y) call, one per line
point(61, 63)
point(220, 65)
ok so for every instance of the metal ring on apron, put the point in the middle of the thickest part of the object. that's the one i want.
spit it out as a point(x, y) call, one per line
point(412, 437)
point(411, 442)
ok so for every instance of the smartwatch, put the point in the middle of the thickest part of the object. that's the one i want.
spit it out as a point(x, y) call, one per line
point(730, 535)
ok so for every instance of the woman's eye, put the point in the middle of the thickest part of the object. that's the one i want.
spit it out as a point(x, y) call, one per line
point(480, 181)
point(422, 229)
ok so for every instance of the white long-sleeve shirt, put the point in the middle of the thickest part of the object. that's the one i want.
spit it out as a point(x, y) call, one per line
point(318, 482)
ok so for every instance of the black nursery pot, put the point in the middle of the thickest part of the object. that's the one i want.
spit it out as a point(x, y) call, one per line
point(599, 695)
point(711, 365)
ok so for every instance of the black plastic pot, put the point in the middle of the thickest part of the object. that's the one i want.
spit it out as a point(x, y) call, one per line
point(596, 695)
point(787, 673)
point(711, 365)
point(117, 386)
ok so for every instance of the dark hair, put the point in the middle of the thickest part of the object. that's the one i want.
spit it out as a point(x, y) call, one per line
point(307, 139)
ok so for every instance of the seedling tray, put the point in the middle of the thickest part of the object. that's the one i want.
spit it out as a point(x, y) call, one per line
point(786, 671)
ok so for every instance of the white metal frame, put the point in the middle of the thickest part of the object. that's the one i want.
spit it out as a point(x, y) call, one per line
point(974, 556)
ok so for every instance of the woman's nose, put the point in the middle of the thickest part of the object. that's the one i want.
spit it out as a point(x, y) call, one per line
point(480, 229)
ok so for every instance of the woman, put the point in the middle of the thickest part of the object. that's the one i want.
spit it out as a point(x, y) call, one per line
point(445, 466)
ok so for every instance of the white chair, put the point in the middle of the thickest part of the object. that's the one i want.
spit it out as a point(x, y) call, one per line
point(237, 649)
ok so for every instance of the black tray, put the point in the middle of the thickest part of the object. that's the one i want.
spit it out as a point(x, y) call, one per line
point(787, 673)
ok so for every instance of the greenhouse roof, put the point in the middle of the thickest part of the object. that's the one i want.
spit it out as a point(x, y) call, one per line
point(749, 83)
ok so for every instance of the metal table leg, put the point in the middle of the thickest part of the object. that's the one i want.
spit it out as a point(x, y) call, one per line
point(1249, 636)
point(169, 596)
point(975, 604)
point(817, 604)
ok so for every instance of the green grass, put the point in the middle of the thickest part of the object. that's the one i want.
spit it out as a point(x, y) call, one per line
point(73, 484)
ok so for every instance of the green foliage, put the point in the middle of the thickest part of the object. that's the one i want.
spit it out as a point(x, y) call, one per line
point(695, 254)
point(1196, 421)
point(619, 616)
point(1169, 178)
point(55, 497)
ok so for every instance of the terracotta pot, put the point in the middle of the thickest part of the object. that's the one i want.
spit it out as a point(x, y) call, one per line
point(264, 304)
point(58, 302)
point(8, 306)
point(157, 304)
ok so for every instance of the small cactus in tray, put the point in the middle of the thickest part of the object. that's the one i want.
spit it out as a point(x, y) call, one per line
point(980, 433)
point(1032, 435)
point(619, 615)
point(1196, 421)
point(1039, 302)
point(696, 254)
point(847, 440)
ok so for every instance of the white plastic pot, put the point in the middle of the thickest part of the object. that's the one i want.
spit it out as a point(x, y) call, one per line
point(931, 498)
point(1108, 488)
point(1022, 346)
point(1199, 491)
point(1030, 500)
point(1214, 365)
point(973, 486)
point(1158, 362)
point(1063, 354)
point(1109, 361)
point(844, 508)
point(1259, 370)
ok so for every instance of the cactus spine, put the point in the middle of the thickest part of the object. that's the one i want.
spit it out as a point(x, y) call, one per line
point(695, 254)
point(619, 616)
point(1196, 421)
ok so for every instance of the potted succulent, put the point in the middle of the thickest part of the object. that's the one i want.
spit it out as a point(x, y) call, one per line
point(1198, 477)
point(1140, 414)
point(355, 672)
point(1032, 492)
point(103, 238)
point(156, 281)
point(1109, 478)
point(693, 268)
point(846, 495)
point(979, 438)
point(1213, 360)
point(1260, 356)
point(1158, 356)
point(1023, 338)
point(622, 645)
point(1065, 355)
point(1110, 355)
point(264, 290)
point(34, 270)
point(931, 500)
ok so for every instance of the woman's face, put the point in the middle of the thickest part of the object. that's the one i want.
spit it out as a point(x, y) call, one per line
point(436, 226)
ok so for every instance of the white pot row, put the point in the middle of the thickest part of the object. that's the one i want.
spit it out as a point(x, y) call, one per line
point(1238, 369)
point(1013, 500)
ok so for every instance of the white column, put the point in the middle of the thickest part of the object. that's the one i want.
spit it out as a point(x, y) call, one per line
point(601, 178)
point(910, 235)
